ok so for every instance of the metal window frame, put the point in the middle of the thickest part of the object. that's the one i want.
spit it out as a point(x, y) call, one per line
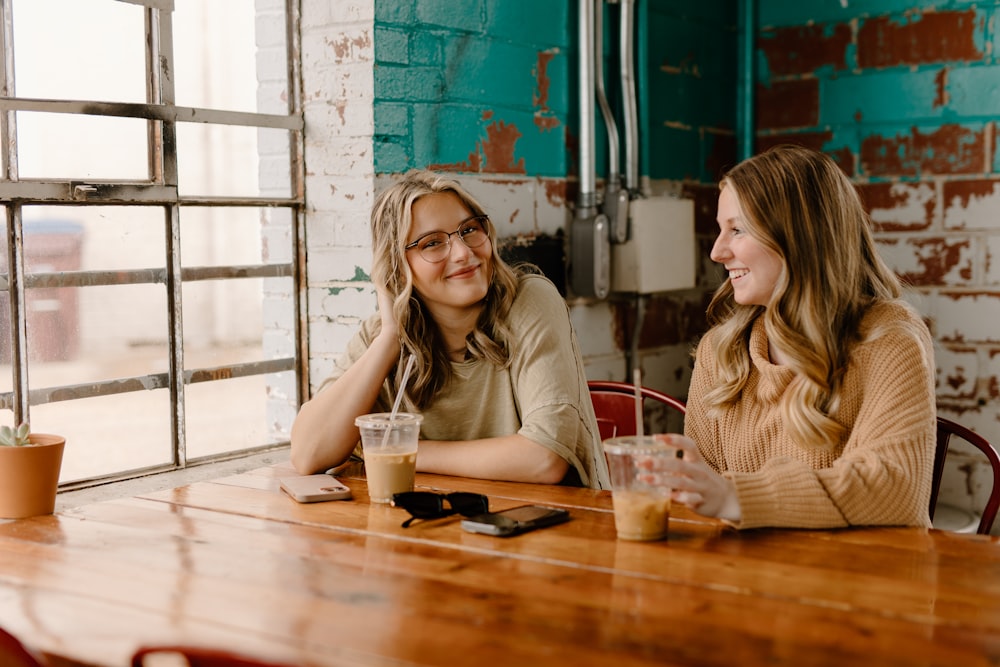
point(160, 190)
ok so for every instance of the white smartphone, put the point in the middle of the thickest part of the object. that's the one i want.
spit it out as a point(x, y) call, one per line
point(314, 488)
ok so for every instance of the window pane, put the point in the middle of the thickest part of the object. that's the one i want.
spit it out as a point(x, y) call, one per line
point(216, 66)
point(54, 57)
point(226, 416)
point(217, 236)
point(65, 146)
point(222, 322)
point(219, 160)
point(109, 434)
point(120, 331)
point(111, 237)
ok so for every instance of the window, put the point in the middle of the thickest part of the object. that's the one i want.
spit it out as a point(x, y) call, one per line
point(150, 186)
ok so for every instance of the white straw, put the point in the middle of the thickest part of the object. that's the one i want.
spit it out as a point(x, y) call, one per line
point(637, 382)
point(399, 398)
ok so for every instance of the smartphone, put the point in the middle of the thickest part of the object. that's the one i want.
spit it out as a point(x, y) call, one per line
point(314, 488)
point(515, 520)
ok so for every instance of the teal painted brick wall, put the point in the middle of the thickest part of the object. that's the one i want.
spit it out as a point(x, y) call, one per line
point(489, 86)
point(472, 86)
point(894, 89)
point(688, 88)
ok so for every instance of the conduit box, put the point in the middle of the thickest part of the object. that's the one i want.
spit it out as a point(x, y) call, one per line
point(660, 253)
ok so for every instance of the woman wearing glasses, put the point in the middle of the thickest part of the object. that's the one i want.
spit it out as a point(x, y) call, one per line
point(497, 375)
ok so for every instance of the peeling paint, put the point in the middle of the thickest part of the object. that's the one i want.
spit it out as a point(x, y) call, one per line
point(494, 155)
point(899, 206)
point(343, 48)
point(941, 88)
point(555, 192)
point(804, 49)
point(886, 42)
point(949, 149)
point(971, 204)
point(544, 118)
point(786, 104)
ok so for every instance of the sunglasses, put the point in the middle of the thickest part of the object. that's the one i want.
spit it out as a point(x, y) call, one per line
point(428, 505)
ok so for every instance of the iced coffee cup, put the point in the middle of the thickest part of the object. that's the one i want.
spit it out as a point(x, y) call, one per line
point(390, 449)
point(642, 506)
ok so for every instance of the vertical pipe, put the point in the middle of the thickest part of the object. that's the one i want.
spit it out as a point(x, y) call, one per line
point(626, 39)
point(587, 199)
point(614, 156)
point(745, 96)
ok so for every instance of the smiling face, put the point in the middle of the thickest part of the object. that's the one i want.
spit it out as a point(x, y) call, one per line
point(458, 284)
point(753, 268)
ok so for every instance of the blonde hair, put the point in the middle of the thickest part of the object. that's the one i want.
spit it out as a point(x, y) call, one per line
point(391, 220)
point(798, 203)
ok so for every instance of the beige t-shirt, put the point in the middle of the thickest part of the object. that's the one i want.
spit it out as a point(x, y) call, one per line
point(541, 396)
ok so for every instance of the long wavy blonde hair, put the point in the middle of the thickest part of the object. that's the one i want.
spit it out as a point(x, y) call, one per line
point(798, 203)
point(391, 220)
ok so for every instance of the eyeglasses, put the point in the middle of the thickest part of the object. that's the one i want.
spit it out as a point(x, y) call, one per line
point(428, 505)
point(436, 246)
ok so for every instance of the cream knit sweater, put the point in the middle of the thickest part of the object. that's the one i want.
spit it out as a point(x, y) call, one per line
point(880, 474)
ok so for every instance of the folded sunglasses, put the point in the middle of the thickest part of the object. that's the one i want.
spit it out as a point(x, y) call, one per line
point(429, 505)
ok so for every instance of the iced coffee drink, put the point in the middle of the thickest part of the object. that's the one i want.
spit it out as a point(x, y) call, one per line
point(642, 504)
point(390, 449)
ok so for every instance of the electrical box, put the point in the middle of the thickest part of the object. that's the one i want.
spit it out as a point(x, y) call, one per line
point(660, 253)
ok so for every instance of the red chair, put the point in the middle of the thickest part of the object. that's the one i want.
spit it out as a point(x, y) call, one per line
point(202, 657)
point(945, 430)
point(614, 405)
point(15, 654)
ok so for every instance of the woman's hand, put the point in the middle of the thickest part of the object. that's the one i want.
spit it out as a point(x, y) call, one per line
point(695, 484)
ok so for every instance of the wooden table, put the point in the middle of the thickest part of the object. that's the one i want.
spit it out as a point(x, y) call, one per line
point(235, 564)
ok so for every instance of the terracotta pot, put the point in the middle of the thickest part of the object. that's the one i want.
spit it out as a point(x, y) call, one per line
point(29, 476)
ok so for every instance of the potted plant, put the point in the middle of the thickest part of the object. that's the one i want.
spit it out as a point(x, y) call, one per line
point(29, 471)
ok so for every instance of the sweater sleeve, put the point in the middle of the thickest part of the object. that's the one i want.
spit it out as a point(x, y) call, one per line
point(883, 473)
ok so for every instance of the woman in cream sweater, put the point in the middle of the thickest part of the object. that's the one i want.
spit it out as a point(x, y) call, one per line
point(812, 398)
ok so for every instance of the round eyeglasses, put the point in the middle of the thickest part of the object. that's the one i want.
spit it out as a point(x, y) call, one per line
point(436, 246)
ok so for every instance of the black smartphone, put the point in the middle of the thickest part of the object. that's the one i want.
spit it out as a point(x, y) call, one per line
point(515, 520)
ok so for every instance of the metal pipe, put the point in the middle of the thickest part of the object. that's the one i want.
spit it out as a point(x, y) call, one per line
point(614, 157)
point(745, 90)
point(587, 199)
point(630, 113)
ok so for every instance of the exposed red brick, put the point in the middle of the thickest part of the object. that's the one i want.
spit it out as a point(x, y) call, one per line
point(786, 104)
point(951, 149)
point(544, 118)
point(494, 155)
point(555, 191)
point(941, 88)
point(804, 49)
point(965, 191)
point(928, 37)
point(882, 199)
point(939, 257)
point(814, 140)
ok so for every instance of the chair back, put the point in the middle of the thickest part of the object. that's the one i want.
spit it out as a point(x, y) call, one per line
point(614, 405)
point(201, 657)
point(945, 430)
point(15, 654)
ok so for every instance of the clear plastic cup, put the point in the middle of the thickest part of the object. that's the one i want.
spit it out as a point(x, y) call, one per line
point(390, 449)
point(642, 506)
